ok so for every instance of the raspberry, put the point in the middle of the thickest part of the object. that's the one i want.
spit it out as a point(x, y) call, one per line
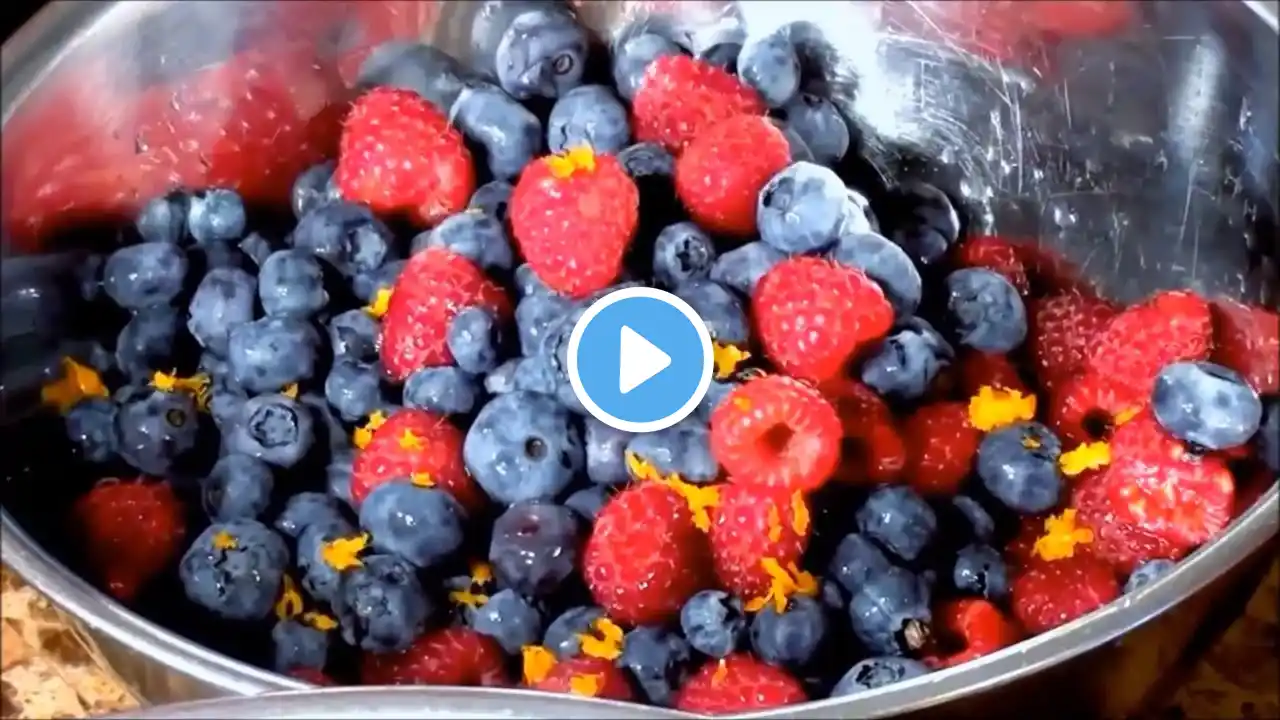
point(720, 174)
point(451, 656)
point(1061, 331)
point(997, 255)
point(587, 677)
point(1247, 340)
point(941, 445)
point(738, 683)
point(1140, 341)
point(978, 370)
point(967, 629)
point(873, 451)
point(132, 530)
point(1053, 593)
point(421, 446)
point(681, 96)
point(1088, 408)
point(749, 524)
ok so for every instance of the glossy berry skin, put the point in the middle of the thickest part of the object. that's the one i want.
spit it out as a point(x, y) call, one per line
point(769, 64)
point(1061, 333)
point(681, 96)
point(659, 661)
point(1167, 327)
point(742, 267)
point(510, 135)
point(714, 623)
point(508, 618)
point(1246, 339)
point(887, 264)
point(890, 612)
point(976, 627)
point(1018, 465)
point(877, 672)
point(899, 519)
point(144, 275)
point(738, 683)
point(273, 428)
point(588, 115)
point(523, 446)
point(682, 252)
point(535, 547)
point(979, 570)
point(156, 429)
point(421, 525)
point(223, 299)
point(381, 605)
point(790, 638)
point(997, 255)
point(435, 449)
point(751, 523)
point(131, 530)
point(449, 656)
point(238, 487)
point(941, 446)
point(473, 234)
point(986, 310)
point(235, 569)
point(803, 208)
point(857, 559)
point(1206, 404)
point(1049, 594)
point(541, 53)
point(906, 363)
point(1147, 573)
point(720, 174)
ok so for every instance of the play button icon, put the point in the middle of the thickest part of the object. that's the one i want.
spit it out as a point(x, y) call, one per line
point(640, 359)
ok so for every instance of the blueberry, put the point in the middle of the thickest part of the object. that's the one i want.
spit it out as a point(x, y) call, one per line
point(632, 57)
point(163, 219)
point(859, 218)
point(353, 389)
point(237, 488)
point(366, 285)
point(723, 55)
point(329, 431)
point(508, 618)
point(91, 425)
point(146, 343)
point(542, 53)
point(535, 314)
point(980, 570)
point(877, 672)
point(224, 299)
point(492, 198)
point(720, 310)
point(1268, 439)
point(523, 446)
point(338, 477)
point(647, 160)
point(444, 390)
point(299, 646)
point(534, 547)
point(272, 428)
point(216, 216)
point(304, 510)
point(354, 336)
point(421, 525)
point(790, 638)
point(347, 236)
point(820, 125)
point(1147, 573)
point(980, 521)
point(312, 188)
point(381, 605)
point(659, 660)
point(528, 283)
point(799, 149)
point(926, 224)
point(769, 64)
point(291, 284)
point(683, 448)
point(563, 636)
point(155, 429)
point(987, 311)
point(856, 561)
point(588, 501)
point(714, 623)
point(235, 569)
point(898, 519)
point(510, 135)
point(320, 579)
point(257, 248)
point(1018, 465)
point(717, 391)
point(606, 452)
point(885, 263)
point(681, 253)
point(225, 400)
point(271, 353)
point(144, 275)
point(432, 74)
point(1206, 404)
point(802, 208)
point(473, 234)
point(502, 379)
point(473, 340)
point(905, 364)
point(890, 612)
point(588, 115)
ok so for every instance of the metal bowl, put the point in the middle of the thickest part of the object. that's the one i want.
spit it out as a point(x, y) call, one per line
point(1145, 151)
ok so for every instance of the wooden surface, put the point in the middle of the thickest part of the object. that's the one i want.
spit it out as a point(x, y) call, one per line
point(45, 671)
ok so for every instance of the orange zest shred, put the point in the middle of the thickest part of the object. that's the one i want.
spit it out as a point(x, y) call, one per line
point(289, 605)
point(344, 553)
point(742, 403)
point(994, 408)
point(290, 391)
point(585, 685)
point(784, 583)
point(1030, 442)
point(223, 540)
point(1125, 416)
point(474, 596)
point(641, 469)
point(422, 479)
point(536, 663)
point(1061, 535)
point(1087, 456)
point(563, 165)
point(481, 572)
point(700, 498)
point(198, 386)
point(775, 524)
point(410, 441)
point(468, 598)
point(77, 383)
point(604, 641)
point(727, 359)
point(363, 434)
point(799, 514)
point(721, 673)
point(319, 621)
point(380, 303)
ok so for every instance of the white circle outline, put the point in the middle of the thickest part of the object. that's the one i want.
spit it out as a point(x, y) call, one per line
point(704, 382)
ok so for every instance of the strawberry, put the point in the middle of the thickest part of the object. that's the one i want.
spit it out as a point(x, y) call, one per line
point(750, 523)
point(435, 285)
point(873, 451)
point(1061, 331)
point(977, 370)
point(1136, 344)
point(813, 315)
point(1087, 408)
point(1247, 340)
point(400, 156)
point(589, 677)
point(736, 684)
point(776, 432)
point(681, 96)
point(450, 656)
point(994, 254)
point(941, 445)
point(132, 530)
point(312, 675)
point(1053, 593)
point(573, 216)
point(721, 172)
point(972, 627)
point(645, 556)
point(421, 446)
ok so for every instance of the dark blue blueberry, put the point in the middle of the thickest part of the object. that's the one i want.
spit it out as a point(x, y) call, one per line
point(225, 400)
point(906, 363)
point(216, 216)
point(606, 452)
point(353, 389)
point(1269, 436)
point(535, 314)
point(163, 219)
point(717, 391)
point(223, 300)
point(312, 188)
point(588, 501)
point(799, 149)
point(273, 428)
point(510, 135)
point(271, 353)
point(155, 429)
point(444, 390)
point(659, 660)
point(509, 619)
point(769, 64)
point(432, 74)
point(722, 54)
point(682, 253)
point(563, 636)
point(683, 448)
point(536, 375)
point(1018, 465)
point(473, 340)
point(980, 521)
point(859, 218)
point(354, 336)
point(832, 596)
point(237, 488)
point(338, 477)
point(347, 236)
point(820, 125)
point(473, 234)
point(144, 275)
point(257, 248)
point(647, 159)
point(790, 638)
point(381, 605)
point(299, 646)
point(523, 446)
point(291, 284)
point(878, 672)
point(306, 509)
point(714, 623)
point(528, 283)
point(890, 612)
point(492, 198)
point(980, 570)
point(421, 525)
point(502, 379)
point(541, 54)
point(1147, 573)
point(898, 519)
point(885, 263)
point(1206, 404)
point(802, 208)
point(720, 310)
point(91, 425)
point(319, 578)
point(926, 224)
point(589, 115)
point(986, 310)
point(235, 569)
point(366, 285)
point(534, 547)
point(856, 561)
point(632, 57)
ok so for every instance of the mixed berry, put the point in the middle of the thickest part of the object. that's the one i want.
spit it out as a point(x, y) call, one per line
point(351, 452)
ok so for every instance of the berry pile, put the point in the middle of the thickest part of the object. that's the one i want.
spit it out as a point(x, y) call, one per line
point(355, 450)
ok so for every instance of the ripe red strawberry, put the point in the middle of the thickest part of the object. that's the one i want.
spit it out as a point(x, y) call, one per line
point(435, 285)
point(645, 556)
point(739, 683)
point(1053, 593)
point(589, 677)
point(1061, 332)
point(751, 523)
point(450, 656)
point(776, 432)
point(573, 216)
point(721, 172)
point(997, 255)
point(813, 315)
point(970, 628)
point(978, 369)
point(313, 676)
point(1138, 343)
point(131, 531)
point(681, 96)
point(1247, 340)
point(400, 156)
point(1086, 408)
point(419, 445)
point(941, 445)
point(872, 451)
